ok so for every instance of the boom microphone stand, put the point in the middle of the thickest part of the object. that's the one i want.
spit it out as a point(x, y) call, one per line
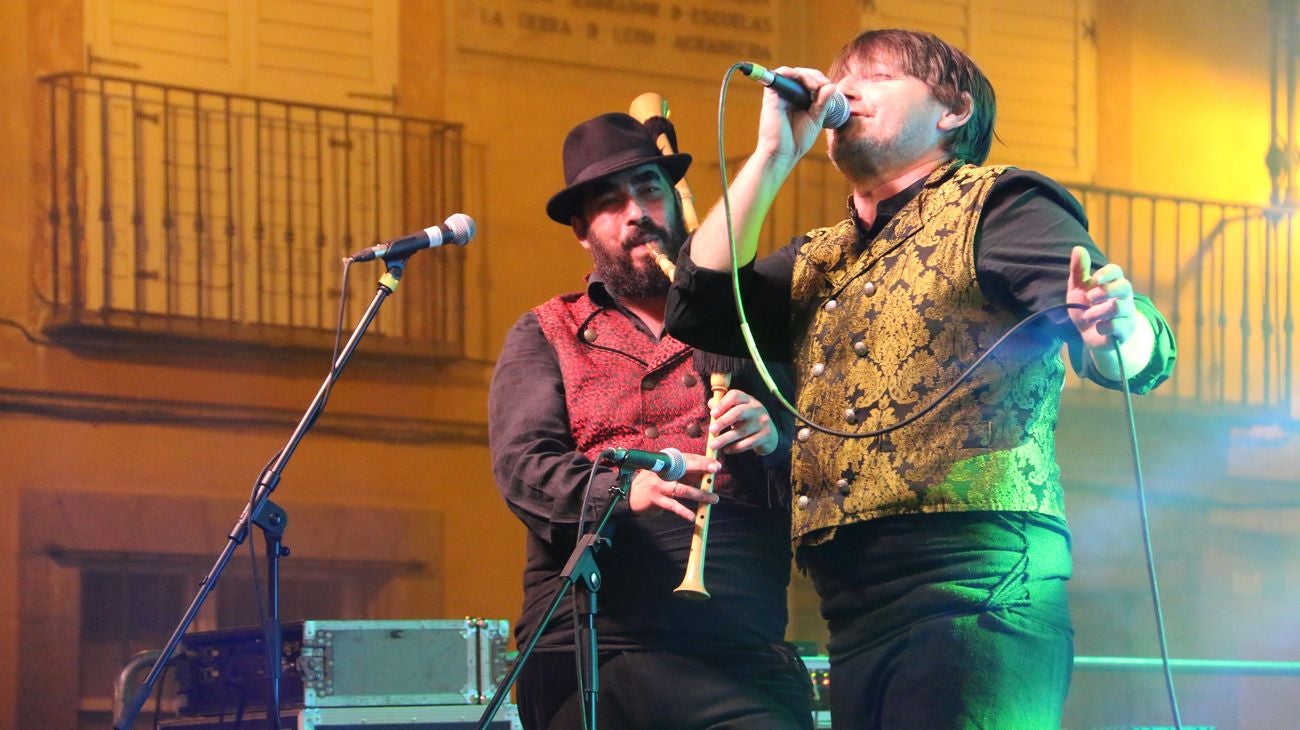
point(264, 513)
point(582, 574)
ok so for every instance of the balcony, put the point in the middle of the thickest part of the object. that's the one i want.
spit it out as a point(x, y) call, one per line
point(178, 212)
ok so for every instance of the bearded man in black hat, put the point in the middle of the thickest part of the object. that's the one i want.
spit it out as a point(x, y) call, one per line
point(592, 370)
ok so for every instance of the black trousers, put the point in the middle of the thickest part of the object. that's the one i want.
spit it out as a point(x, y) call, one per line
point(947, 622)
point(681, 690)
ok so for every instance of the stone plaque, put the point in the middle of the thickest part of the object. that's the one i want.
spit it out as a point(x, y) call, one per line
point(696, 39)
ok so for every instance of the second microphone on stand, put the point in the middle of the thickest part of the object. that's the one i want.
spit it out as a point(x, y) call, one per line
point(457, 229)
point(669, 464)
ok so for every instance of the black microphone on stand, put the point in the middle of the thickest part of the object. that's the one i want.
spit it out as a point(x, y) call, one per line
point(837, 109)
point(669, 464)
point(457, 229)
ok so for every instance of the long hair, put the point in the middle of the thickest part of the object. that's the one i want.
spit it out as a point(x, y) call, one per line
point(945, 69)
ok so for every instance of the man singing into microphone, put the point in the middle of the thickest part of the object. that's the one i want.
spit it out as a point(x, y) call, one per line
point(939, 550)
point(592, 370)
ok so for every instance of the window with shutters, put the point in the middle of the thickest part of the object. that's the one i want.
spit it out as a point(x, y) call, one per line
point(105, 575)
point(1040, 58)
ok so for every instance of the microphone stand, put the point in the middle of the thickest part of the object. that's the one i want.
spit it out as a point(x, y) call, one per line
point(268, 516)
point(273, 521)
point(582, 574)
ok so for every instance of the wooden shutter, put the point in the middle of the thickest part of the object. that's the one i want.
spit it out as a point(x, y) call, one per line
point(339, 53)
point(330, 52)
point(182, 42)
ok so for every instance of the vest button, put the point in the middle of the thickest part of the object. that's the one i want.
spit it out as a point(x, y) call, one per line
point(694, 430)
point(851, 415)
point(818, 368)
point(831, 305)
point(804, 434)
point(651, 432)
point(649, 384)
point(689, 380)
point(844, 486)
point(802, 502)
point(869, 288)
point(589, 335)
point(860, 348)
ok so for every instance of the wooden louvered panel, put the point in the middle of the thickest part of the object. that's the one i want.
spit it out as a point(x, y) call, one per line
point(332, 52)
point(948, 19)
point(186, 29)
point(341, 52)
point(170, 41)
point(1035, 63)
point(294, 35)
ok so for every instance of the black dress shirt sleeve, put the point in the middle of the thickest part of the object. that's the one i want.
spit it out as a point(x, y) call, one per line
point(701, 308)
point(1028, 229)
point(534, 460)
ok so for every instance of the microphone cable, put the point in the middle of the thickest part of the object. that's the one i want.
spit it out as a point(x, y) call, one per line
point(1146, 543)
point(761, 367)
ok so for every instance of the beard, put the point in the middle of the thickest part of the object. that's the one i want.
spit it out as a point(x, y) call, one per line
point(854, 158)
point(859, 158)
point(863, 158)
point(631, 276)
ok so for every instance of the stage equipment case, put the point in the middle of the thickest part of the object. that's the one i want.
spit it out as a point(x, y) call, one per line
point(348, 664)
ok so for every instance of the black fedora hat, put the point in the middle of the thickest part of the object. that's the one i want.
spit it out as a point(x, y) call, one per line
point(603, 146)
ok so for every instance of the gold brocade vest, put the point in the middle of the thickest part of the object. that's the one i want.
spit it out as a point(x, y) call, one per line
point(885, 331)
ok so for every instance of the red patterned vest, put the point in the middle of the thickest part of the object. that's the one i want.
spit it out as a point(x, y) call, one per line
point(621, 388)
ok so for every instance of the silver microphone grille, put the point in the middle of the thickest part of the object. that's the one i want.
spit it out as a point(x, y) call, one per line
point(837, 112)
point(676, 465)
point(462, 228)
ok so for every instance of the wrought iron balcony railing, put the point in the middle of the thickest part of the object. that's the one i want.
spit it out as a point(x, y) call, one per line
point(1224, 274)
point(215, 215)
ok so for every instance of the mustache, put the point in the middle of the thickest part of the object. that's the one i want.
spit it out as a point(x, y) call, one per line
point(646, 233)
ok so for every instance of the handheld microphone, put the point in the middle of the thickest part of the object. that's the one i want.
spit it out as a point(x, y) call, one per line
point(457, 229)
point(669, 464)
point(837, 109)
